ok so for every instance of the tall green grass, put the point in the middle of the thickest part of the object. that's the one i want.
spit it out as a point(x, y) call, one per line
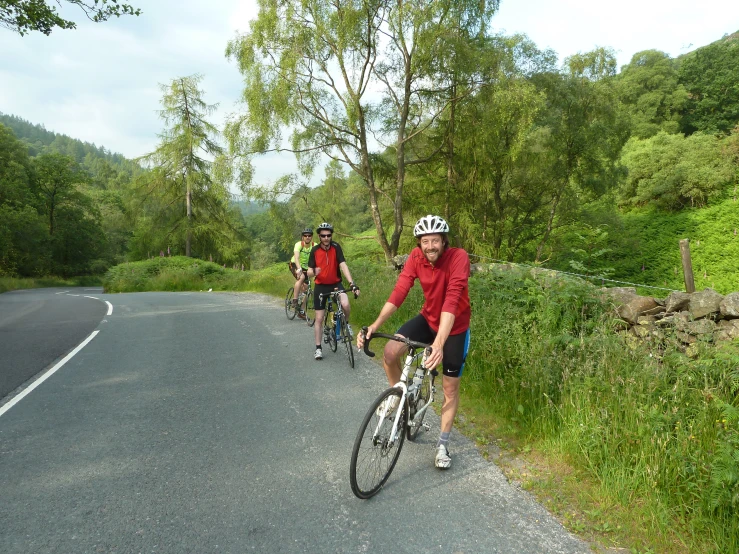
point(14, 283)
point(651, 425)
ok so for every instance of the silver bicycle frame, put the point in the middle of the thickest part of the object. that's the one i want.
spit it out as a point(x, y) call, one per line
point(403, 386)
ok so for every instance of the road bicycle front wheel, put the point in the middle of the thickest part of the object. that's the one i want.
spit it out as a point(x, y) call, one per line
point(290, 308)
point(310, 309)
point(347, 340)
point(374, 455)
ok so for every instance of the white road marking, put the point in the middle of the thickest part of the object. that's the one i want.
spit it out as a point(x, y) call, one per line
point(46, 375)
point(110, 306)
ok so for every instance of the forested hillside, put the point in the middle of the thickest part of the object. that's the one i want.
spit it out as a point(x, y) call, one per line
point(580, 167)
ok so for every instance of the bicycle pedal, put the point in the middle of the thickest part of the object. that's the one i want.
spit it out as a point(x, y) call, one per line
point(426, 426)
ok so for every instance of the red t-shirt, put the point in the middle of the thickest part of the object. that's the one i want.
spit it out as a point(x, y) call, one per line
point(445, 286)
point(328, 261)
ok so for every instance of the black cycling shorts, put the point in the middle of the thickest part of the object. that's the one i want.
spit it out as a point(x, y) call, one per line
point(455, 347)
point(324, 290)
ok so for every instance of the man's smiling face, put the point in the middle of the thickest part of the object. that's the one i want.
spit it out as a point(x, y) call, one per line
point(432, 247)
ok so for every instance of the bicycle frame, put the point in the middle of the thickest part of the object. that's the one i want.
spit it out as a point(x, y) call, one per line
point(403, 383)
point(333, 298)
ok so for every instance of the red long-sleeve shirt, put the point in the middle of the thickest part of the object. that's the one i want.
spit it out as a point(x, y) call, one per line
point(445, 286)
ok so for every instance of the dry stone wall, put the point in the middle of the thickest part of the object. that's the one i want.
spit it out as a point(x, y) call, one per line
point(688, 318)
point(691, 317)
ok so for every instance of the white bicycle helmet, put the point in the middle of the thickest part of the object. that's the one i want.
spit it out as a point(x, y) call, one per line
point(430, 224)
point(326, 226)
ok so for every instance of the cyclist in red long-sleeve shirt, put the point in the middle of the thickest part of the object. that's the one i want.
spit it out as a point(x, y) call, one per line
point(444, 320)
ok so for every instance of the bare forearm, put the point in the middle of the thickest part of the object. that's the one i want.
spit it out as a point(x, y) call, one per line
point(387, 311)
point(446, 323)
point(345, 271)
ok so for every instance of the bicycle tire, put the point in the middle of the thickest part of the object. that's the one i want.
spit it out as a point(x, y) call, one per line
point(329, 322)
point(414, 426)
point(373, 460)
point(310, 309)
point(290, 310)
point(346, 338)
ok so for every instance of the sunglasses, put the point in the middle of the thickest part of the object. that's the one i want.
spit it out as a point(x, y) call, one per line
point(325, 236)
point(306, 236)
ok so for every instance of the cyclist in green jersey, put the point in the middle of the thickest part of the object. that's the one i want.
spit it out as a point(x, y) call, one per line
point(301, 252)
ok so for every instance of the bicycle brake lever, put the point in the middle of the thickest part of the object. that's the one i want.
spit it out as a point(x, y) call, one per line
point(366, 343)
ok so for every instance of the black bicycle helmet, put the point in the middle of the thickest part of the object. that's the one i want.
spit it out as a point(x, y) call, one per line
point(307, 231)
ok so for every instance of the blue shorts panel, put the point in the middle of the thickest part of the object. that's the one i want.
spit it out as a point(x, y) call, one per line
point(455, 347)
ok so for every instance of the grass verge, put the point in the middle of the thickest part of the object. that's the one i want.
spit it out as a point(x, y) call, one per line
point(13, 283)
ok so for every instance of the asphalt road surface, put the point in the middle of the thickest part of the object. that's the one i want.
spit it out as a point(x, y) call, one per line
point(199, 422)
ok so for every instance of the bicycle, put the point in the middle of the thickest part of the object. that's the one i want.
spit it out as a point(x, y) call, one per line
point(386, 426)
point(335, 328)
point(305, 300)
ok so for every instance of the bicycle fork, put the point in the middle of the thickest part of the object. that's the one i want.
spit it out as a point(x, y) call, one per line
point(402, 385)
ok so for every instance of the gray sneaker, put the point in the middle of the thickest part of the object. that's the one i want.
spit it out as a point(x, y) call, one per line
point(350, 331)
point(319, 354)
point(443, 460)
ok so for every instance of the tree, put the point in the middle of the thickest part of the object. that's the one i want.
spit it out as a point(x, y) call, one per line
point(582, 133)
point(26, 16)
point(308, 66)
point(189, 170)
point(313, 66)
point(673, 172)
point(15, 169)
point(648, 87)
point(56, 177)
point(710, 75)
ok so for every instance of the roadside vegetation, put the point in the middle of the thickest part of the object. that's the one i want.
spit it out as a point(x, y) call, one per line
point(15, 283)
point(628, 447)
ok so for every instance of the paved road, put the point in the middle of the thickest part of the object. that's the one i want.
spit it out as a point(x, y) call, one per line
point(37, 327)
point(201, 423)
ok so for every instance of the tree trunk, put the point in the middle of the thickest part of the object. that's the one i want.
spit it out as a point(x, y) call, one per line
point(369, 179)
point(188, 238)
point(550, 226)
point(451, 176)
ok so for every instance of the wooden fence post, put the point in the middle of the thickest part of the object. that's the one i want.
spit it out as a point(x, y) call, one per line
point(687, 265)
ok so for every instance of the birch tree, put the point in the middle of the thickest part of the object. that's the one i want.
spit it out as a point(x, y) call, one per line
point(347, 77)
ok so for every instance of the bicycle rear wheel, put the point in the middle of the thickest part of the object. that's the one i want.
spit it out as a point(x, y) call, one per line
point(310, 310)
point(347, 340)
point(290, 308)
point(373, 456)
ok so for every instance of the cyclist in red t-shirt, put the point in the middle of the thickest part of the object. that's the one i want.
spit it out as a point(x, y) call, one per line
point(326, 263)
point(444, 321)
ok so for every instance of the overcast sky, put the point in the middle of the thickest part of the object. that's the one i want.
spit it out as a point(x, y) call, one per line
point(99, 83)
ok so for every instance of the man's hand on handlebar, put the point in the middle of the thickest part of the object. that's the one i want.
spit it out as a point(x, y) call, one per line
point(355, 289)
point(362, 337)
point(435, 358)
